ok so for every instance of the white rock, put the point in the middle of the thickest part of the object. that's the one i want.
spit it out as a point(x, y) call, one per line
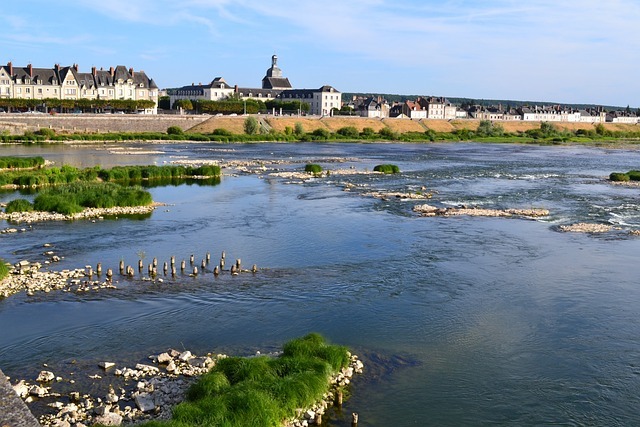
point(185, 356)
point(164, 358)
point(171, 367)
point(38, 391)
point(101, 410)
point(107, 365)
point(21, 389)
point(145, 402)
point(45, 376)
point(109, 419)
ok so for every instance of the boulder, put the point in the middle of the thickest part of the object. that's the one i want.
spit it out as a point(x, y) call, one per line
point(21, 389)
point(45, 377)
point(164, 358)
point(109, 419)
point(145, 402)
point(185, 356)
point(107, 365)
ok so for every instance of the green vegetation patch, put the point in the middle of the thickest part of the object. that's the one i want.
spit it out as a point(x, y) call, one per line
point(8, 162)
point(632, 175)
point(261, 391)
point(73, 198)
point(4, 269)
point(19, 205)
point(387, 168)
point(313, 168)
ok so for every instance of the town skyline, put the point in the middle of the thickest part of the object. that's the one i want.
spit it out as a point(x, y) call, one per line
point(573, 53)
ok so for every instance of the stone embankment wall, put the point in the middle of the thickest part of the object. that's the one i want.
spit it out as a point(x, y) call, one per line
point(13, 411)
point(18, 123)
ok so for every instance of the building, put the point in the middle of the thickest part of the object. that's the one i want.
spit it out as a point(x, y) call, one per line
point(274, 86)
point(321, 101)
point(69, 83)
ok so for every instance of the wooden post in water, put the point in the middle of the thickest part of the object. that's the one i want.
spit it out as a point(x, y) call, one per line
point(109, 274)
point(318, 420)
point(88, 271)
point(173, 260)
point(221, 263)
point(238, 265)
point(99, 268)
point(183, 265)
point(150, 268)
point(195, 270)
point(354, 419)
point(173, 270)
point(203, 264)
point(254, 269)
point(208, 257)
point(339, 398)
point(140, 265)
point(165, 268)
point(155, 262)
point(191, 259)
point(216, 270)
point(222, 255)
point(121, 267)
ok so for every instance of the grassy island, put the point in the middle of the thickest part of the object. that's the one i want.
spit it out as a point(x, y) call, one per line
point(262, 390)
point(632, 175)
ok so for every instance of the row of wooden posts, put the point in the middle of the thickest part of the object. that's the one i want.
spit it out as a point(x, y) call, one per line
point(235, 269)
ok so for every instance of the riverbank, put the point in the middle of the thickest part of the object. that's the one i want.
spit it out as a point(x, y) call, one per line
point(87, 213)
point(110, 394)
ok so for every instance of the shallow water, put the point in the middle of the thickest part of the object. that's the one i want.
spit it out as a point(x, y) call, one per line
point(460, 320)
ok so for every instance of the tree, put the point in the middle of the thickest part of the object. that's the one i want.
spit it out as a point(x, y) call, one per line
point(164, 102)
point(298, 129)
point(250, 125)
point(185, 104)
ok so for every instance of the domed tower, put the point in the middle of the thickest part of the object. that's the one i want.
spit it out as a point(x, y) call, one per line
point(273, 79)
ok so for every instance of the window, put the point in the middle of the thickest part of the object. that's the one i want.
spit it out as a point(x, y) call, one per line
point(40, 91)
point(19, 90)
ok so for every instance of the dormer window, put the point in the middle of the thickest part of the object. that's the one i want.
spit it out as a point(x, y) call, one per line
point(27, 81)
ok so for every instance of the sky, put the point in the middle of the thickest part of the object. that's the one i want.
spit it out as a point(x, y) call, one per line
point(561, 51)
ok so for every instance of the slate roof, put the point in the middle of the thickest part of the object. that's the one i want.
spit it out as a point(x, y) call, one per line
point(276, 83)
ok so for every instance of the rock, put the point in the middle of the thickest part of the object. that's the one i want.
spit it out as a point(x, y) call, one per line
point(164, 358)
point(109, 419)
point(101, 410)
point(185, 356)
point(21, 389)
point(61, 423)
point(171, 367)
point(145, 402)
point(45, 377)
point(38, 391)
point(74, 396)
point(107, 365)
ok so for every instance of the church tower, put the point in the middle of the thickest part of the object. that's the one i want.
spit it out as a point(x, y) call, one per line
point(273, 79)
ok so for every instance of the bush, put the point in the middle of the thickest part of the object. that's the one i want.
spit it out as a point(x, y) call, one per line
point(388, 134)
point(634, 175)
point(368, 132)
point(321, 133)
point(8, 162)
point(298, 129)
point(19, 205)
point(250, 125)
point(619, 177)
point(46, 133)
point(174, 130)
point(313, 168)
point(221, 131)
point(387, 168)
point(349, 132)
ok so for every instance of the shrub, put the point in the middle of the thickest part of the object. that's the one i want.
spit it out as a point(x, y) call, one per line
point(321, 133)
point(387, 168)
point(298, 129)
point(349, 132)
point(46, 133)
point(174, 130)
point(250, 125)
point(313, 168)
point(619, 176)
point(8, 162)
point(368, 132)
point(221, 131)
point(388, 134)
point(634, 175)
point(19, 205)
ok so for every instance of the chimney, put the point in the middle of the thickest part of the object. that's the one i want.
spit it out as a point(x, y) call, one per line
point(10, 65)
point(94, 71)
point(131, 71)
point(30, 67)
point(75, 67)
point(235, 88)
point(111, 70)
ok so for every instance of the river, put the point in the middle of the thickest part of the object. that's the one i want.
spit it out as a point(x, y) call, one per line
point(460, 321)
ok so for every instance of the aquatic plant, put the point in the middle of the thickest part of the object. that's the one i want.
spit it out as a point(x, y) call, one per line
point(313, 168)
point(9, 162)
point(261, 391)
point(19, 205)
point(4, 269)
point(619, 177)
point(387, 168)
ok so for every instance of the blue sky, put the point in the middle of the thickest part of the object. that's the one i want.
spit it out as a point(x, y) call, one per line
point(574, 51)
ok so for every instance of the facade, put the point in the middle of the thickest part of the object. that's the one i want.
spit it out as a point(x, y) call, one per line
point(216, 90)
point(69, 83)
point(413, 110)
point(321, 101)
point(273, 78)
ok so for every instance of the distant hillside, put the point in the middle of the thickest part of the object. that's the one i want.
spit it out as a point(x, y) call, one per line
point(485, 102)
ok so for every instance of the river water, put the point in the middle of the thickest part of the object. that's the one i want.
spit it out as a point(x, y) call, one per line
point(460, 321)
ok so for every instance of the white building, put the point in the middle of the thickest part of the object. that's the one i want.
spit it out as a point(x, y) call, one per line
point(321, 101)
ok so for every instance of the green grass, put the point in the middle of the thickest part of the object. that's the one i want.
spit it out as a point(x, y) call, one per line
point(387, 168)
point(19, 205)
point(73, 198)
point(4, 269)
point(632, 175)
point(313, 168)
point(261, 391)
point(8, 162)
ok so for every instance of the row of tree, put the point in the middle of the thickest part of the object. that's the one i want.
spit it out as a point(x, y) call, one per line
point(68, 105)
point(236, 106)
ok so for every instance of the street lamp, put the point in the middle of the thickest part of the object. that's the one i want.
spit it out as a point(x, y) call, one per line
point(245, 106)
